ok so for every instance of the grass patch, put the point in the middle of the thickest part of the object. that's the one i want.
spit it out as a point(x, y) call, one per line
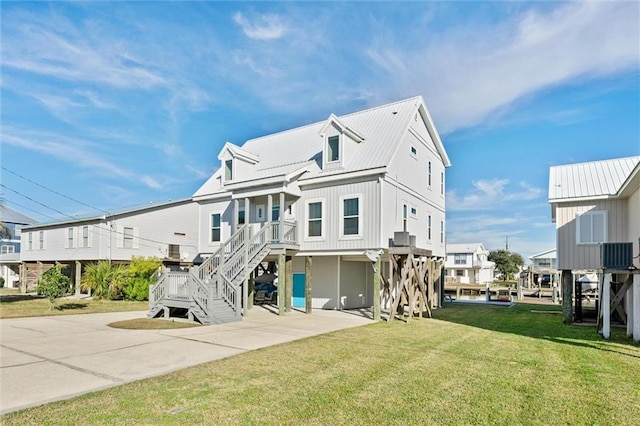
point(17, 305)
point(470, 365)
point(151, 324)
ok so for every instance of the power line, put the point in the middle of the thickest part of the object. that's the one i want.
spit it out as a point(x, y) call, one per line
point(53, 191)
point(28, 208)
point(37, 202)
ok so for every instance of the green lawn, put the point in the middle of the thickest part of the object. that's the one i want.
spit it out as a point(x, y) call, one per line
point(469, 365)
point(13, 304)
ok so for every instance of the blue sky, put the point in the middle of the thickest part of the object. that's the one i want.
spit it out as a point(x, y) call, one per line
point(119, 104)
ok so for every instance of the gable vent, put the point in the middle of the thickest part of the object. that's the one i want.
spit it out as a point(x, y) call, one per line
point(616, 255)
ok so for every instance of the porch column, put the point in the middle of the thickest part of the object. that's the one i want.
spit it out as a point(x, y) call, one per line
point(281, 283)
point(636, 308)
point(245, 297)
point(376, 288)
point(269, 208)
point(247, 214)
point(605, 306)
point(567, 291)
point(307, 274)
point(289, 282)
point(281, 213)
point(236, 209)
point(78, 277)
point(251, 288)
point(628, 307)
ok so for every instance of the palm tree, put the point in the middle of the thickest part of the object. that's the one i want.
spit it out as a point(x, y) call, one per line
point(104, 279)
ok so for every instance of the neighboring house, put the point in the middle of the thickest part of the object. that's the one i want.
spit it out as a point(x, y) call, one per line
point(592, 204)
point(168, 231)
point(468, 264)
point(543, 269)
point(11, 223)
point(313, 199)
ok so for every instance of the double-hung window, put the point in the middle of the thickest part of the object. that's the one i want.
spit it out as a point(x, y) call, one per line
point(350, 212)
point(215, 227)
point(70, 232)
point(429, 227)
point(85, 236)
point(30, 241)
point(592, 227)
point(442, 232)
point(128, 237)
point(41, 240)
point(314, 219)
point(460, 259)
point(429, 175)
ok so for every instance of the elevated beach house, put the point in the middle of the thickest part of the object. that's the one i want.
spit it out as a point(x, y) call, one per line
point(11, 223)
point(168, 231)
point(596, 208)
point(468, 263)
point(319, 205)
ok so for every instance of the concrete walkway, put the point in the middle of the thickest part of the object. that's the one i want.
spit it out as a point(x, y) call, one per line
point(46, 359)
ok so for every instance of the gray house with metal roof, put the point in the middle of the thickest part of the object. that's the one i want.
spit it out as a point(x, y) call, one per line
point(314, 200)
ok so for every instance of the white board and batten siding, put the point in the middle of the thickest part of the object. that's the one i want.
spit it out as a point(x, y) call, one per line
point(332, 198)
point(57, 246)
point(572, 255)
point(224, 207)
point(633, 231)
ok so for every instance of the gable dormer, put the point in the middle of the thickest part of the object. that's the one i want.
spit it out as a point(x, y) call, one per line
point(236, 162)
point(340, 143)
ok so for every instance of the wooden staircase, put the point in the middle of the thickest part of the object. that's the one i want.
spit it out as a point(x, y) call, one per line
point(211, 293)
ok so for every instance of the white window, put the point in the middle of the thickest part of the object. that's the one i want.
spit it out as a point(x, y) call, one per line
point(460, 272)
point(333, 149)
point(241, 216)
point(30, 245)
point(7, 249)
point(442, 231)
point(405, 215)
point(216, 227)
point(260, 217)
point(351, 224)
point(315, 222)
point(414, 151)
point(228, 170)
point(70, 237)
point(41, 240)
point(429, 176)
point(441, 183)
point(414, 211)
point(85, 236)
point(460, 259)
point(592, 227)
point(429, 227)
point(128, 237)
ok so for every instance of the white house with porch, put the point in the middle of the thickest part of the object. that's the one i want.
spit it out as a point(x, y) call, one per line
point(321, 202)
point(11, 223)
point(468, 263)
point(596, 208)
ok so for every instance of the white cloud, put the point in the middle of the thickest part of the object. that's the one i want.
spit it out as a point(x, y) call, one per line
point(470, 74)
point(489, 194)
point(263, 27)
point(74, 152)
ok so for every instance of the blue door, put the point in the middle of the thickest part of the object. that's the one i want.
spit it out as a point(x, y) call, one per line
point(298, 290)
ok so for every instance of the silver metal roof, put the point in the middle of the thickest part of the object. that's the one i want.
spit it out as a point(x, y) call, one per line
point(381, 127)
point(588, 180)
point(9, 215)
point(465, 248)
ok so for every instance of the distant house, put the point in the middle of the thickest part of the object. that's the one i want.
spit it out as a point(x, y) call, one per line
point(168, 231)
point(11, 223)
point(543, 269)
point(468, 264)
point(593, 205)
point(314, 201)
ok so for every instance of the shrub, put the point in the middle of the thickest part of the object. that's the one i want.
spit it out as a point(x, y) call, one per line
point(1, 282)
point(54, 284)
point(105, 279)
point(141, 272)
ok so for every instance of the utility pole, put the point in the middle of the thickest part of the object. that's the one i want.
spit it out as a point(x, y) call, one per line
point(507, 243)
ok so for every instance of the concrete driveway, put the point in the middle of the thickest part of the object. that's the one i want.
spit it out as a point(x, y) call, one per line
point(46, 359)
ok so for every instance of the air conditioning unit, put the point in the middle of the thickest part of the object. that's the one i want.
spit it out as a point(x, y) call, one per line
point(401, 239)
point(616, 255)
